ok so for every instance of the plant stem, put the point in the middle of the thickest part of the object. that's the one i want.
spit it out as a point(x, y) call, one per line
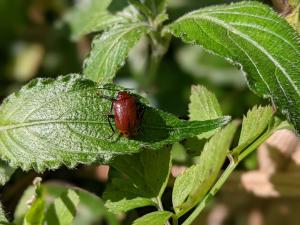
point(159, 46)
point(211, 193)
point(159, 204)
point(230, 168)
point(174, 220)
point(161, 208)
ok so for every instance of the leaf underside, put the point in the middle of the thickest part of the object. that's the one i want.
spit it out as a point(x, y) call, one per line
point(64, 121)
point(253, 36)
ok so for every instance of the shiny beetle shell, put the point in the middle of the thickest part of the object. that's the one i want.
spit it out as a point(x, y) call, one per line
point(127, 114)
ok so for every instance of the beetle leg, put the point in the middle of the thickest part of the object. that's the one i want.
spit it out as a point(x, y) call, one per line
point(108, 118)
point(141, 110)
point(111, 127)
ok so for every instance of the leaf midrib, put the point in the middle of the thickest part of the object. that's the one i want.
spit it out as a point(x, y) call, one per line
point(35, 123)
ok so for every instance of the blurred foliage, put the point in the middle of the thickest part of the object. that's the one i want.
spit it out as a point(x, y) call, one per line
point(33, 43)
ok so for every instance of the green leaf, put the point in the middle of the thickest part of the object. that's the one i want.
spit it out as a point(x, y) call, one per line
point(254, 36)
point(90, 209)
point(146, 175)
point(5, 172)
point(154, 218)
point(35, 216)
point(36, 213)
point(51, 122)
point(204, 106)
point(254, 123)
point(63, 210)
point(110, 50)
point(3, 219)
point(90, 16)
point(193, 184)
point(22, 206)
point(124, 205)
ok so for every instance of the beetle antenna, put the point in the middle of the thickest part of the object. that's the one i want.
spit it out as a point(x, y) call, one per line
point(106, 97)
point(118, 89)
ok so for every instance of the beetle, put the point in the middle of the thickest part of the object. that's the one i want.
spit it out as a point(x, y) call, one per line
point(127, 113)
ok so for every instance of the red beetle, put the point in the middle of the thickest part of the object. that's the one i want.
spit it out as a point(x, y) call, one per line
point(127, 114)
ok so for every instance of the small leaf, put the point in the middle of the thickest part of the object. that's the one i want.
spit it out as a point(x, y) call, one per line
point(51, 122)
point(204, 106)
point(193, 184)
point(254, 124)
point(110, 50)
point(254, 36)
point(5, 172)
point(146, 175)
point(63, 210)
point(90, 16)
point(36, 213)
point(154, 218)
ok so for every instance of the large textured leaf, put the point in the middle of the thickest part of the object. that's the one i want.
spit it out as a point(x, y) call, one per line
point(146, 175)
point(193, 184)
point(204, 105)
point(254, 36)
point(90, 16)
point(64, 121)
point(110, 50)
point(154, 218)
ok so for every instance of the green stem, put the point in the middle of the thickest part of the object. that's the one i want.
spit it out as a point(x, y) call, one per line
point(159, 47)
point(174, 220)
point(211, 193)
point(161, 208)
point(230, 168)
point(159, 204)
point(255, 144)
